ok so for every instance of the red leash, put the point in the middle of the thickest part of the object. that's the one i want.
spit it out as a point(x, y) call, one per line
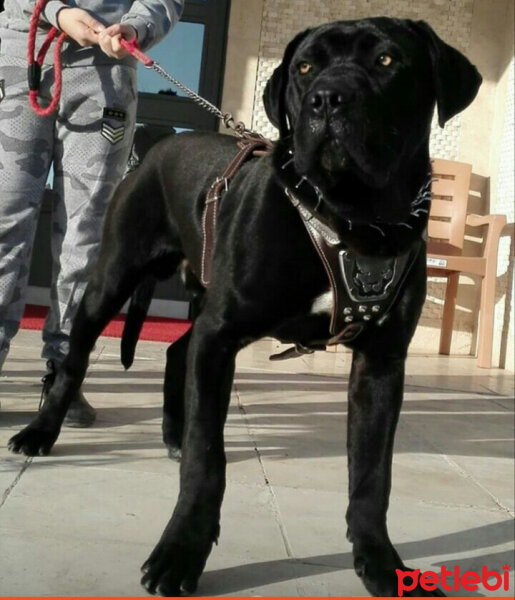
point(34, 65)
point(34, 70)
point(132, 47)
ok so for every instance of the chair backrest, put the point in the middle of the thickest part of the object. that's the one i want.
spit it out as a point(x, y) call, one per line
point(450, 189)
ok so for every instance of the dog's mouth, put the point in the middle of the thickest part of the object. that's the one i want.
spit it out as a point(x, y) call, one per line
point(324, 154)
point(333, 156)
point(320, 146)
point(334, 148)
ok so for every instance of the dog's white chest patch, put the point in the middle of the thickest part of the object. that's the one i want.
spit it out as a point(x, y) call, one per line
point(323, 304)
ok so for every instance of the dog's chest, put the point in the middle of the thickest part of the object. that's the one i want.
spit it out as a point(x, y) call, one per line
point(362, 289)
point(323, 304)
point(358, 294)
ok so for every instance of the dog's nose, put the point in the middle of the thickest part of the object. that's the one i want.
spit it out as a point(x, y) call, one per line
point(326, 101)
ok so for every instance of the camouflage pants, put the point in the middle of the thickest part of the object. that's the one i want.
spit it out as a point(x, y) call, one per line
point(87, 141)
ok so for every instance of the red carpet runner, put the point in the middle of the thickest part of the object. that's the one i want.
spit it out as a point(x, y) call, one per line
point(156, 329)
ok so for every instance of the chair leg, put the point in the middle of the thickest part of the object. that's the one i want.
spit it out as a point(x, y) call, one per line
point(486, 321)
point(451, 292)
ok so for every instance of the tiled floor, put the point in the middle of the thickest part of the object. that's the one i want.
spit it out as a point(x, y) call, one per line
point(81, 521)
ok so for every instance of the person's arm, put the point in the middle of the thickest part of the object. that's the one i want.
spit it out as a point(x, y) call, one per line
point(147, 21)
point(75, 22)
point(51, 11)
point(153, 19)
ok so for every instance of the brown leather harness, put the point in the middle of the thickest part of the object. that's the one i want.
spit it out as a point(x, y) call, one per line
point(250, 145)
point(363, 289)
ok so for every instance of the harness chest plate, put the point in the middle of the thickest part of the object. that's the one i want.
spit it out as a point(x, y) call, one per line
point(364, 288)
point(370, 288)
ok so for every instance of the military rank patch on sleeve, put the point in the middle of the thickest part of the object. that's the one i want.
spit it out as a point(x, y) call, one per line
point(113, 134)
point(111, 130)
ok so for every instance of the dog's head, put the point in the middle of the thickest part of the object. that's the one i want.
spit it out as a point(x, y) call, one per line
point(358, 96)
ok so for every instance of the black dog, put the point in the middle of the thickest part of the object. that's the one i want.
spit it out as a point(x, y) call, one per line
point(353, 102)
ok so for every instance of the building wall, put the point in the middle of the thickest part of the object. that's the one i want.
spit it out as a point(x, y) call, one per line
point(241, 66)
point(488, 141)
point(503, 195)
point(482, 135)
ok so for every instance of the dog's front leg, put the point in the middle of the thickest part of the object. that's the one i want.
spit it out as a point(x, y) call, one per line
point(179, 557)
point(375, 398)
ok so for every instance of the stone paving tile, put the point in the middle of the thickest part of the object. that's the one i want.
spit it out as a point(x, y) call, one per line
point(81, 521)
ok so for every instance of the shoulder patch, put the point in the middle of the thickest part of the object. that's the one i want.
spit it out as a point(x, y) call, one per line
point(115, 113)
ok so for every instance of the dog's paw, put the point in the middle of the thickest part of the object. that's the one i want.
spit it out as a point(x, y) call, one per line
point(172, 437)
point(381, 581)
point(174, 452)
point(33, 441)
point(383, 573)
point(173, 569)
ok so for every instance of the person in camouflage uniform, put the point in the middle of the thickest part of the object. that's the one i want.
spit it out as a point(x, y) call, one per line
point(87, 140)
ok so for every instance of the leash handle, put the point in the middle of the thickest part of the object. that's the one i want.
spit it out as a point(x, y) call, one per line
point(34, 74)
point(132, 47)
point(35, 64)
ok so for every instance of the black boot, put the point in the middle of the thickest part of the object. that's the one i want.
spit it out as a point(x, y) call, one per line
point(80, 412)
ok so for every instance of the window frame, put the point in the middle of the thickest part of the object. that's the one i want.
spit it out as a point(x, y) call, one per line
point(183, 112)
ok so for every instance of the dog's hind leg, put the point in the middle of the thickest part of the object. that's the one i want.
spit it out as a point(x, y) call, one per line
point(109, 287)
point(173, 406)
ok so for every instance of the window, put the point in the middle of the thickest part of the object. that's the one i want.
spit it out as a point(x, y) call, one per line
point(194, 53)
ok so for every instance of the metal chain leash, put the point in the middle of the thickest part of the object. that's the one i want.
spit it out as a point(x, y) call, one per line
point(228, 120)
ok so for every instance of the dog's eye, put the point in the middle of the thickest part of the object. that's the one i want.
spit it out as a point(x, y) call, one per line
point(304, 68)
point(385, 60)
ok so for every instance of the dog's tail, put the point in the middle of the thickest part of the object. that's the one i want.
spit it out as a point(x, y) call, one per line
point(138, 308)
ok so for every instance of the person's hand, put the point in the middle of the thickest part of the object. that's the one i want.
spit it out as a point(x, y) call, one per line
point(79, 25)
point(109, 39)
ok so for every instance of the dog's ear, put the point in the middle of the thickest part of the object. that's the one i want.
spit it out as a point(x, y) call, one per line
point(456, 79)
point(274, 96)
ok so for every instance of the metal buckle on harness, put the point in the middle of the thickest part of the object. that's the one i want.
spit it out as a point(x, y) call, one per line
point(296, 351)
point(224, 180)
point(216, 196)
